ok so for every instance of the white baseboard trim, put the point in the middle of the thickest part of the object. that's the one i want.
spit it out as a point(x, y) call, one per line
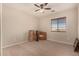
point(62, 42)
point(26, 41)
point(17, 43)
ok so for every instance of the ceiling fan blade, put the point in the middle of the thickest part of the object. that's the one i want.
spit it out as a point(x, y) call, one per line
point(36, 5)
point(41, 6)
point(47, 8)
point(45, 4)
point(37, 10)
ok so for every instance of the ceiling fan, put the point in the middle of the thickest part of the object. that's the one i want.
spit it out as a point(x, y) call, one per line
point(42, 7)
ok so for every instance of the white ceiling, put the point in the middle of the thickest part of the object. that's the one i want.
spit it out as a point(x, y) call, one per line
point(30, 8)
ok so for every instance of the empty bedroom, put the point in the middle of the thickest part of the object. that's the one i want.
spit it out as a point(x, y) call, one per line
point(40, 29)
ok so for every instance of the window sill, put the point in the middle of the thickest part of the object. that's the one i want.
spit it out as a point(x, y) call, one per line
point(58, 31)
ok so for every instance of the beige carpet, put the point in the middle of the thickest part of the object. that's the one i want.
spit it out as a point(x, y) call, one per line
point(41, 48)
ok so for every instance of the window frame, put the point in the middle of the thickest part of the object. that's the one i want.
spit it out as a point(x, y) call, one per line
point(57, 25)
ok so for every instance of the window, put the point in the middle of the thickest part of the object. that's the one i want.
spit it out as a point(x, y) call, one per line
point(58, 24)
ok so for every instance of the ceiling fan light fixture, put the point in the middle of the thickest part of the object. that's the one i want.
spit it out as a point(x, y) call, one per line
point(42, 7)
point(42, 10)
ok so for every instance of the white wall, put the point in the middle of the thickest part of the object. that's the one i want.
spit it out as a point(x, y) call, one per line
point(0, 28)
point(16, 24)
point(78, 21)
point(67, 37)
point(0, 20)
